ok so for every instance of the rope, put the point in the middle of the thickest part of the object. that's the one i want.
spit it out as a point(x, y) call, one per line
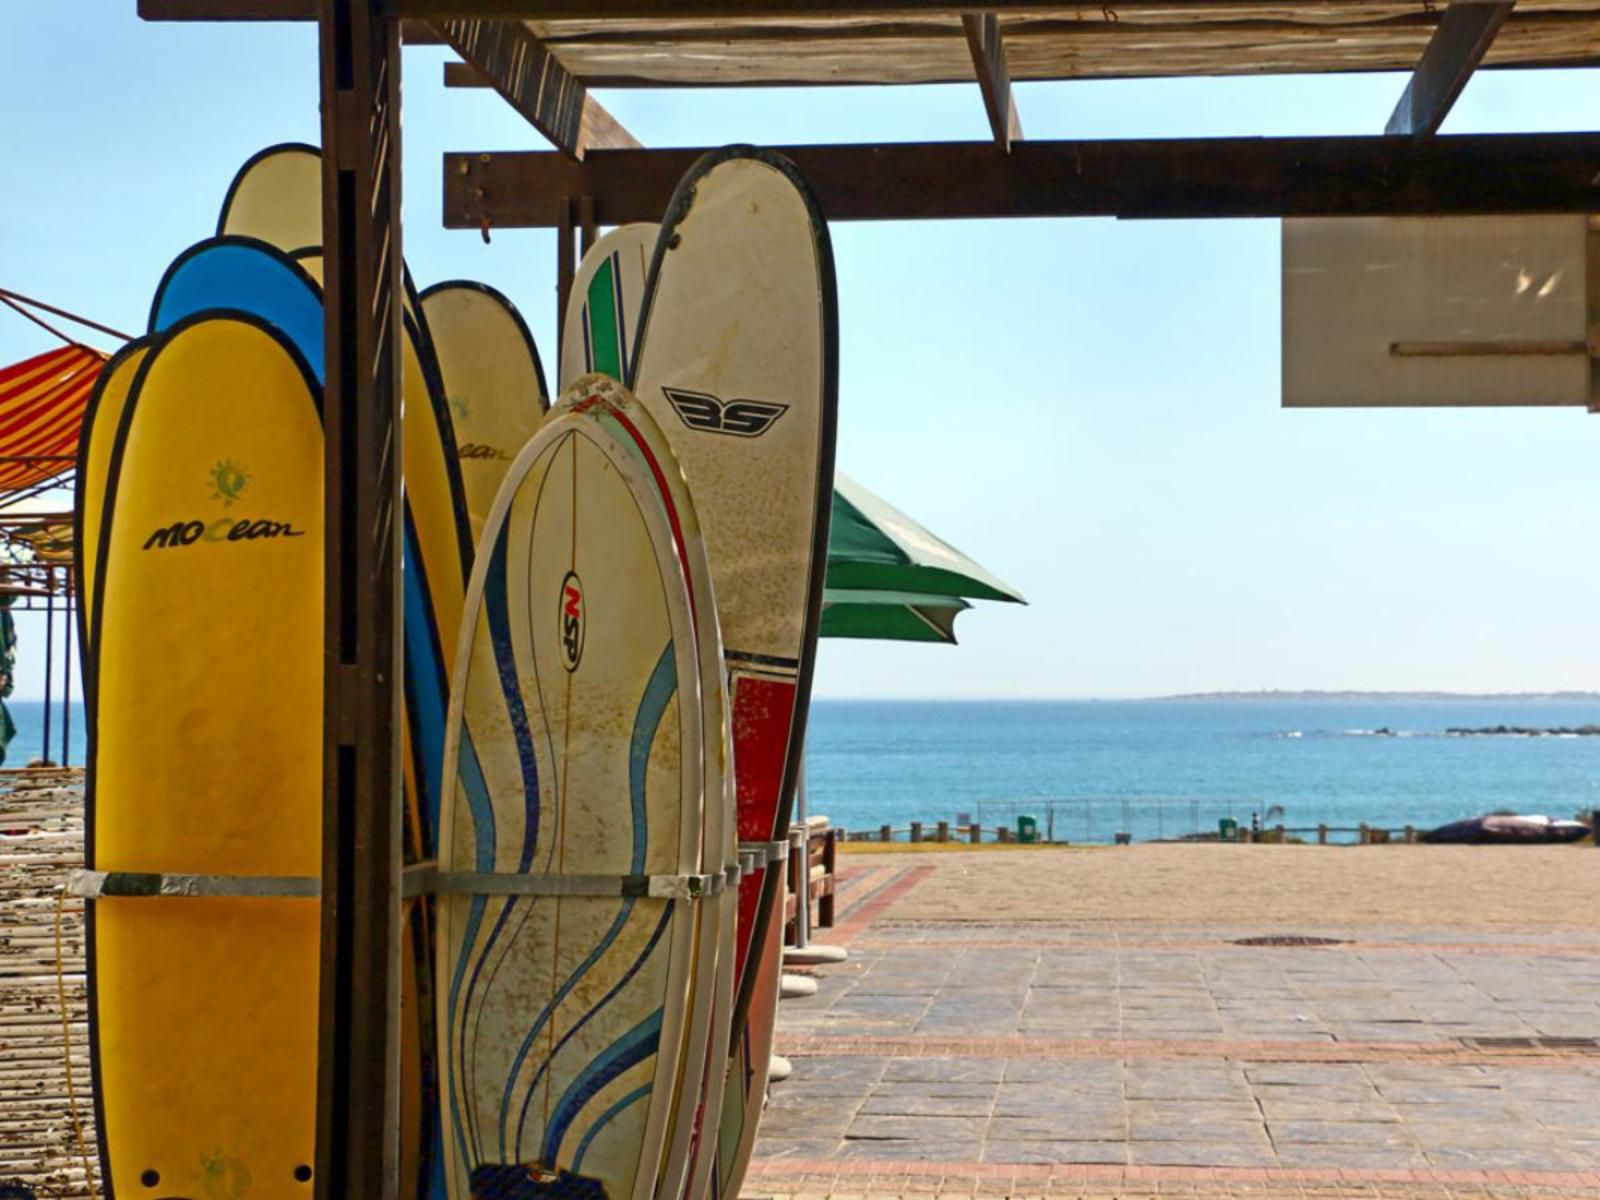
point(71, 316)
point(39, 321)
point(66, 1047)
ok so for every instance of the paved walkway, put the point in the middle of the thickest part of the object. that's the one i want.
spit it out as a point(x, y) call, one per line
point(1133, 1058)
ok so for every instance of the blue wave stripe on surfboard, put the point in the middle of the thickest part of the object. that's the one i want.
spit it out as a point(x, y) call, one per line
point(426, 690)
point(604, 1119)
point(658, 692)
point(628, 1051)
point(499, 620)
point(644, 957)
point(470, 774)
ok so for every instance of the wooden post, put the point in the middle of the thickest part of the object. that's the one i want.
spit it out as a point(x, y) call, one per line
point(916, 831)
point(943, 832)
point(830, 862)
point(358, 1094)
point(974, 833)
point(1364, 835)
point(885, 833)
point(566, 262)
point(1411, 835)
point(588, 230)
point(1322, 835)
point(1282, 837)
point(1004, 832)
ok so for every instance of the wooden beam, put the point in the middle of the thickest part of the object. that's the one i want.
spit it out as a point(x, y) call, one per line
point(572, 10)
point(533, 81)
point(358, 1033)
point(1458, 45)
point(1192, 178)
point(994, 78)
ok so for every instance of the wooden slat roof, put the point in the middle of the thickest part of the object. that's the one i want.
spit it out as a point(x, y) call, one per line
point(1086, 41)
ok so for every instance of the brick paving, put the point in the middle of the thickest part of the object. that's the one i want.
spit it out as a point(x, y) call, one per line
point(987, 1056)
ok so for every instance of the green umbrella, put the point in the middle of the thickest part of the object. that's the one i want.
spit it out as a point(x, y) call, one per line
point(890, 616)
point(872, 545)
point(890, 579)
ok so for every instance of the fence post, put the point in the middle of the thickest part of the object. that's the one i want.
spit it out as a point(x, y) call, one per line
point(1282, 837)
point(943, 834)
point(974, 833)
point(885, 833)
point(1322, 835)
point(916, 831)
point(1003, 832)
point(1411, 835)
point(1364, 835)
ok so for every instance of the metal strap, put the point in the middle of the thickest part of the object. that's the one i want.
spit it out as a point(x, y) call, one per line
point(766, 853)
point(734, 871)
point(666, 887)
point(96, 885)
point(417, 879)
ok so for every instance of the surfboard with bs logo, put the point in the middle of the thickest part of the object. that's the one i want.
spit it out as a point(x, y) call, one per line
point(570, 844)
point(737, 359)
point(203, 844)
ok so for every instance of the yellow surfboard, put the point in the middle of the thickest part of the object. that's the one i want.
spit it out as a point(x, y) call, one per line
point(277, 197)
point(204, 808)
point(494, 387)
point(101, 417)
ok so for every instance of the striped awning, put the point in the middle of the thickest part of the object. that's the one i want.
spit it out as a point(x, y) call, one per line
point(41, 411)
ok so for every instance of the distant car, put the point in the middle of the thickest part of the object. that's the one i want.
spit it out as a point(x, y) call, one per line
point(1507, 830)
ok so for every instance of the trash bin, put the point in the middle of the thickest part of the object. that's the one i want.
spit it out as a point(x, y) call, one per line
point(1228, 829)
point(1027, 829)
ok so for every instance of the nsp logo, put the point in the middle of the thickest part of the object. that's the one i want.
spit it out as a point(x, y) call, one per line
point(228, 481)
point(571, 621)
point(741, 418)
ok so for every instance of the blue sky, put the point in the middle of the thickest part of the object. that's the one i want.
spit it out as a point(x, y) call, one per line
point(1090, 408)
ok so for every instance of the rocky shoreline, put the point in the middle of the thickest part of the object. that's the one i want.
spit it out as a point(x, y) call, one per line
point(1526, 731)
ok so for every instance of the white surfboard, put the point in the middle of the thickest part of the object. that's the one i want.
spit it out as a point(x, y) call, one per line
point(570, 843)
point(691, 1145)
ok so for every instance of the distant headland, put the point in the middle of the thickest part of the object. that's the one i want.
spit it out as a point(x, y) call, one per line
point(1348, 697)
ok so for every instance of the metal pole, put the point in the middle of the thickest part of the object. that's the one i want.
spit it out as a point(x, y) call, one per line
point(49, 658)
point(66, 682)
point(358, 1095)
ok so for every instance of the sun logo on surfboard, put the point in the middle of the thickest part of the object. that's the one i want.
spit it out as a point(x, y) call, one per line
point(228, 481)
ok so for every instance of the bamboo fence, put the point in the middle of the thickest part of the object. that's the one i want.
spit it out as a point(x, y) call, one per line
point(41, 839)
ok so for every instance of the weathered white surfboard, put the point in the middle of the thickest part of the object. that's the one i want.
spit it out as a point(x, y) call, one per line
point(602, 318)
point(737, 359)
point(570, 843)
point(691, 1144)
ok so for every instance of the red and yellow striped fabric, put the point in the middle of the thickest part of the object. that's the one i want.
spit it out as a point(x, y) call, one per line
point(41, 412)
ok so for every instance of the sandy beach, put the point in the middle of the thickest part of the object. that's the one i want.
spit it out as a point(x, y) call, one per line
point(1521, 887)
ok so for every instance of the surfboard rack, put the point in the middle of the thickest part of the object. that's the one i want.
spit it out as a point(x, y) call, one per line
point(97, 885)
point(765, 853)
point(429, 881)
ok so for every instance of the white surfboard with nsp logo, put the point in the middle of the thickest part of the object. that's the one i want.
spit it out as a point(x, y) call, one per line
point(571, 835)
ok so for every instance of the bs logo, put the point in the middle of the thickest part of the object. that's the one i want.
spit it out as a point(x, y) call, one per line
point(571, 621)
point(741, 418)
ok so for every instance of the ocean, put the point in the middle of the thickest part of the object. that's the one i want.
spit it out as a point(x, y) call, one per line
point(1154, 768)
point(1089, 769)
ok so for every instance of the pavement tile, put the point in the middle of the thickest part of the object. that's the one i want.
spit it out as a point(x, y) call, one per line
point(1355, 1133)
point(926, 1128)
point(948, 1070)
point(1067, 1127)
point(894, 1102)
point(891, 1150)
point(1222, 1153)
point(1006, 1151)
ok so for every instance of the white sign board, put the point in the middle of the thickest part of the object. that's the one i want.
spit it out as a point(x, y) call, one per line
point(1387, 312)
